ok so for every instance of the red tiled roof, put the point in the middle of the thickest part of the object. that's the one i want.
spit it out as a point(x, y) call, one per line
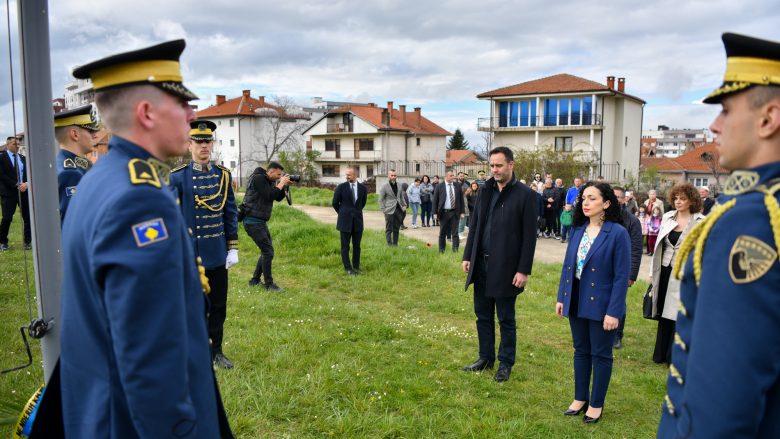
point(240, 106)
point(560, 83)
point(373, 115)
point(691, 161)
point(461, 156)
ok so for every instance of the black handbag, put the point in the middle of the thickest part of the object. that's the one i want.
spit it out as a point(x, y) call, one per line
point(647, 304)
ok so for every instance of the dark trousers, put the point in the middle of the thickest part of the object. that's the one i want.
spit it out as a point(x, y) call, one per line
point(558, 220)
point(262, 238)
point(426, 207)
point(549, 222)
point(664, 339)
point(9, 204)
point(620, 328)
point(486, 309)
point(354, 236)
point(448, 227)
point(393, 225)
point(592, 356)
point(218, 281)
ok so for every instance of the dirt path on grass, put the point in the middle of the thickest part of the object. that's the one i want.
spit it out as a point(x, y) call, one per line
point(547, 250)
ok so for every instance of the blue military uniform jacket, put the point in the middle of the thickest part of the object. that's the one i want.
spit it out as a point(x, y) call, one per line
point(209, 208)
point(724, 380)
point(604, 278)
point(135, 358)
point(70, 169)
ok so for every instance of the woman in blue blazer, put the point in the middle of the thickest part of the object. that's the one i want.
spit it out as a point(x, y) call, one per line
point(592, 293)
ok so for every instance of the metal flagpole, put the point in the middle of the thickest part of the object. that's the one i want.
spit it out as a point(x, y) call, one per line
point(41, 175)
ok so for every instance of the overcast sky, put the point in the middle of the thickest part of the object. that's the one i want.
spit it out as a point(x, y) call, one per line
point(437, 55)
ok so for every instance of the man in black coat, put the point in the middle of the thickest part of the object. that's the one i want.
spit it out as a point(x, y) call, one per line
point(448, 209)
point(349, 199)
point(634, 228)
point(13, 190)
point(498, 258)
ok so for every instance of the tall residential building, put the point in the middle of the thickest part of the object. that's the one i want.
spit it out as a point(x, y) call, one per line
point(675, 142)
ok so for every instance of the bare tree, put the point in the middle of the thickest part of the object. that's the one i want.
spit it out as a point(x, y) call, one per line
point(487, 145)
point(278, 126)
point(711, 160)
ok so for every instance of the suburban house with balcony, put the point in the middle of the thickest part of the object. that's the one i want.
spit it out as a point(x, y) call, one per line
point(375, 139)
point(250, 132)
point(570, 113)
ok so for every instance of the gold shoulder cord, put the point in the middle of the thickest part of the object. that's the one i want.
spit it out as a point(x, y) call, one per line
point(695, 240)
point(204, 201)
point(774, 211)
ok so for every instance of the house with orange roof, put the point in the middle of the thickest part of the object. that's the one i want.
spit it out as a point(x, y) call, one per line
point(251, 131)
point(463, 157)
point(570, 113)
point(367, 136)
point(698, 166)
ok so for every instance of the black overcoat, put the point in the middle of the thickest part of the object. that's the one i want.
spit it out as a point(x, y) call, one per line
point(513, 239)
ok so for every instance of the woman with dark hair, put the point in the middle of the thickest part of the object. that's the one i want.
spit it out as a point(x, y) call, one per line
point(592, 293)
point(675, 225)
point(426, 192)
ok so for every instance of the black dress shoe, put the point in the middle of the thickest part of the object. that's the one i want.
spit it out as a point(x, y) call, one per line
point(254, 282)
point(502, 374)
point(272, 287)
point(618, 343)
point(588, 420)
point(570, 412)
point(356, 271)
point(478, 365)
point(220, 360)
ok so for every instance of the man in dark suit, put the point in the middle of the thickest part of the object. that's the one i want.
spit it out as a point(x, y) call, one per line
point(448, 209)
point(498, 258)
point(13, 190)
point(349, 199)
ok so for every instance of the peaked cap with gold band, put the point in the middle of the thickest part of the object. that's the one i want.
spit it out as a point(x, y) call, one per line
point(156, 65)
point(202, 130)
point(749, 61)
point(83, 117)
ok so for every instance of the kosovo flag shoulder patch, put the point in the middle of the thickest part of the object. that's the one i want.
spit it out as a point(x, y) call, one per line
point(150, 232)
point(70, 191)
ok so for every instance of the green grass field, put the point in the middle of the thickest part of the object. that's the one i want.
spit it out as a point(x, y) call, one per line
point(324, 197)
point(379, 355)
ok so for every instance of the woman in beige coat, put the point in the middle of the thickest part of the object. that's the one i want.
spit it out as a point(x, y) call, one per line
point(666, 290)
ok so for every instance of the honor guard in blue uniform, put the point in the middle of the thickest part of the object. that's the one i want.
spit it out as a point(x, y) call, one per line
point(75, 132)
point(724, 379)
point(209, 208)
point(135, 358)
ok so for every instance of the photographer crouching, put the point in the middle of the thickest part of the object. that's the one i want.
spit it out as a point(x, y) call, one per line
point(264, 188)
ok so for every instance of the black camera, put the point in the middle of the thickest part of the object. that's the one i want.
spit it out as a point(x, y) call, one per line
point(294, 178)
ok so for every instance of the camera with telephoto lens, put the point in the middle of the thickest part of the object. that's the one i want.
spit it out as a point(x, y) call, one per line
point(294, 178)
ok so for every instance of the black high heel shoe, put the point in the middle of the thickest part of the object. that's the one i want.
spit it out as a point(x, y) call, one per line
point(570, 412)
point(588, 420)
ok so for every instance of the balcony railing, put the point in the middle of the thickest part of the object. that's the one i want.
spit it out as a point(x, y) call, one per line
point(539, 122)
point(339, 128)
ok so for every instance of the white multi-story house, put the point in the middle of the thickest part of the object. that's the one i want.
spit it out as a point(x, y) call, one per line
point(250, 132)
point(676, 142)
point(78, 93)
point(570, 113)
point(374, 139)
